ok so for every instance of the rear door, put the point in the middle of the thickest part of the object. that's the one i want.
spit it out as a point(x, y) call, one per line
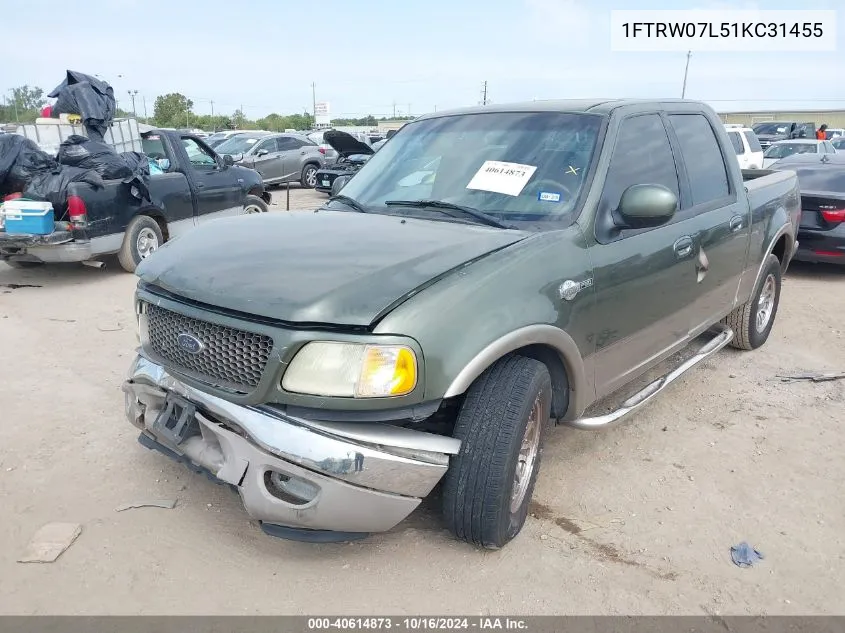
point(644, 280)
point(290, 149)
point(719, 217)
point(218, 191)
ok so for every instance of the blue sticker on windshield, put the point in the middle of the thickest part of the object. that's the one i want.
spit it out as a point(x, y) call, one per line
point(548, 196)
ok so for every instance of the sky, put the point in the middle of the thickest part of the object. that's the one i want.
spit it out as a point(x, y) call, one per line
point(402, 57)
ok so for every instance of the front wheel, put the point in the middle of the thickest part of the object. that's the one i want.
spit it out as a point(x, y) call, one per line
point(254, 204)
point(309, 176)
point(501, 425)
point(752, 322)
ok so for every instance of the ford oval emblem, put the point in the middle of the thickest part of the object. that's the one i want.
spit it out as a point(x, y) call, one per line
point(189, 343)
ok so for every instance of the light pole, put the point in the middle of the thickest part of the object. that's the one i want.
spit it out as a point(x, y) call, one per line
point(132, 94)
point(686, 72)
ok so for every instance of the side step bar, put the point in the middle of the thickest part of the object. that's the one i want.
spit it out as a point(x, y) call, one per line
point(720, 340)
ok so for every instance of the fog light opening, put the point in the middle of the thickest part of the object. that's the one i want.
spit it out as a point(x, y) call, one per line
point(290, 489)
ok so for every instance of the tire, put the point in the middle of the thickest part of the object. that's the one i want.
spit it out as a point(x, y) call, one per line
point(744, 319)
point(143, 236)
point(309, 176)
point(254, 204)
point(22, 264)
point(480, 488)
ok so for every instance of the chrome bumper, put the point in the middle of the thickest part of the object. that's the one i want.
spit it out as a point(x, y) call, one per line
point(354, 478)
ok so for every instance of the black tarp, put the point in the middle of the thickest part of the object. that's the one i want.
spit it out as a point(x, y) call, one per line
point(51, 186)
point(20, 160)
point(78, 151)
point(89, 97)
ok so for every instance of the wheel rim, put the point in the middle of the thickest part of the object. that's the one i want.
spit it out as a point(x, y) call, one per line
point(527, 456)
point(766, 303)
point(311, 177)
point(252, 208)
point(147, 242)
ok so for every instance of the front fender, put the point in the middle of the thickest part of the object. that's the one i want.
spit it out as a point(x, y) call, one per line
point(502, 303)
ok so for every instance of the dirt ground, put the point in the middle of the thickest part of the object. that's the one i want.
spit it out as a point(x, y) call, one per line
point(637, 519)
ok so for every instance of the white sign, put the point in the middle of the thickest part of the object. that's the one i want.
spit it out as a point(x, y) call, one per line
point(321, 113)
point(498, 177)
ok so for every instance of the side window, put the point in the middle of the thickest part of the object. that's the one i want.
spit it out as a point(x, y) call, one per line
point(753, 141)
point(267, 144)
point(708, 177)
point(197, 154)
point(642, 155)
point(284, 143)
point(736, 141)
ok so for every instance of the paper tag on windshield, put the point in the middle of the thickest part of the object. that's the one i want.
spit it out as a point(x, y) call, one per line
point(498, 177)
point(251, 141)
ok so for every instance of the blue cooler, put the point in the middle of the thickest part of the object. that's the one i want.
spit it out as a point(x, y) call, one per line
point(28, 217)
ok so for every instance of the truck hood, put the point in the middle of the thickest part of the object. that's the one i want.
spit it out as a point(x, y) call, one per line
point(330, 267)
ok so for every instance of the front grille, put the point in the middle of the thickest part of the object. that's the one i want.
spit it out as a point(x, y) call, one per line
point(235, 357)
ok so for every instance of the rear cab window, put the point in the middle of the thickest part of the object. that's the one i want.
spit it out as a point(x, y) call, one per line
point(703, 159)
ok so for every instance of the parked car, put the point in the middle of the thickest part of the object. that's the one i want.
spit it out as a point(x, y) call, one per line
point(834, 132)
point(560, 257)
point(782, 149)
point(218, 137)
point(772, 131)
point(821, 234)
point(351, 152)
point(279, 158)
point(749, 153)
point(198, 185)
point(838, 144)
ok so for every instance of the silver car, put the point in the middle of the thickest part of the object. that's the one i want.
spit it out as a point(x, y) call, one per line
point(279, 158)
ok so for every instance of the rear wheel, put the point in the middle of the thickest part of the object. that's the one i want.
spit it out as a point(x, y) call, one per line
point(309, 176)
point(501, 425)
point(143, 237)
point(752, 322)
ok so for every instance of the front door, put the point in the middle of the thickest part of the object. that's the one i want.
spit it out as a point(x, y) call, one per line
point(721, 218)
point(269, 160)
point(218, 190)
point(644, 280)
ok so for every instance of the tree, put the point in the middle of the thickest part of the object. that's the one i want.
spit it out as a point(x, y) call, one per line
point(172, 110)
point(26, 98)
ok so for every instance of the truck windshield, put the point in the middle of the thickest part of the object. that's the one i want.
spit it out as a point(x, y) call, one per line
point(514, 166)
point(772, 128)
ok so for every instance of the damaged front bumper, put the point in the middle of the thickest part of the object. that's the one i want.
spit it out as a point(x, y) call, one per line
point(301, 479)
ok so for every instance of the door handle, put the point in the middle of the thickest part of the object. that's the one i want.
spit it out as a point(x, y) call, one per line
point(683, 247)
point(200, 185)
point(736, 223)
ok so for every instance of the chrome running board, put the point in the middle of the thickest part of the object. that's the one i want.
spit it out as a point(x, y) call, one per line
point(634, 402)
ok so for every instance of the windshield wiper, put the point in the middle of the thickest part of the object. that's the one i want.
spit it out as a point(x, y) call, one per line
point(482, 217)
point(352, 203)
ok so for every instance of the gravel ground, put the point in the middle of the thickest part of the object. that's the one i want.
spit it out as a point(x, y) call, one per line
point(638, 519)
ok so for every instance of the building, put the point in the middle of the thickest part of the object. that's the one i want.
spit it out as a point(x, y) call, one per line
point(833, 118)
point(386, 126)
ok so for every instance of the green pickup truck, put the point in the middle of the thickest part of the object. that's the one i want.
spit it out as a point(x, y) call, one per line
point(489, 273)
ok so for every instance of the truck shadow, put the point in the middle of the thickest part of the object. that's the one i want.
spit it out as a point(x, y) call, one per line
point(58, 274)
point(805, 270)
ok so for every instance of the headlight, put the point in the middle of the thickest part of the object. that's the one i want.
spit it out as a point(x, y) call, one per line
point(352, 370)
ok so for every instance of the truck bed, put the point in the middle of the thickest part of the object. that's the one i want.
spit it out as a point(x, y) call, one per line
point(766, 185)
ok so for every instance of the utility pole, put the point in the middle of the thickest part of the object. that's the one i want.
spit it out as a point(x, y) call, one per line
point(213, 124)
point(144, 99)
point(394, 109)
point(484, 95)
point(314, 101)
point(132, 94)
point(686, 72)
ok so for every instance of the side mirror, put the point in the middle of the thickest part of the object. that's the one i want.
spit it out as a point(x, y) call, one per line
point(339, 183)
point(228, 161)
point(261, 152)
point(645, 206)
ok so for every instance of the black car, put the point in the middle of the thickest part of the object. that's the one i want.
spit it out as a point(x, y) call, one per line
point(821, 234)
point(351, 155)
